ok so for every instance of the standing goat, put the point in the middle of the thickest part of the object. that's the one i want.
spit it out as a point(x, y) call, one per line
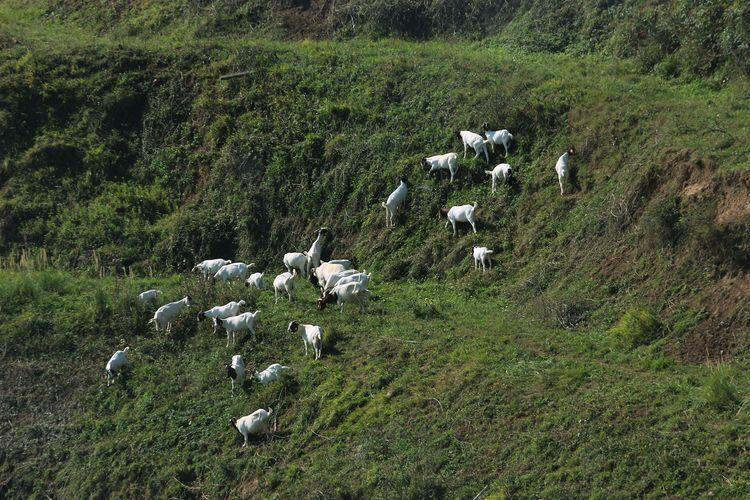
point(476, 142)
point(165, 314)
point(562, 167)
point(497, 137)
point(316, 250)
point(235, 270)
point(341, 294)
point(234, 324)
point(312, 335)
point(236, 371)
point(256, 280)
point(299, 261)
point(482, 256)
point(149, 295)
point(116, 364)
point(271, 374)
point(503, 170)
point(209, 267)
point(395, 199)
point(448, 161)
point(255, 423)
point(284, 282)
point(221, 312)
point(461, 213)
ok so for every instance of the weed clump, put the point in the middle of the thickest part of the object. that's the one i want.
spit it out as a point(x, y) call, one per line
point(719, 392)
point(637, 327)
point(331, 336)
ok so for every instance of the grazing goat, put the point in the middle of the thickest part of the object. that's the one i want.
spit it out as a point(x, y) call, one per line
point(235, 270)
point(497, 137)
point(482, 256)
point(255, 423)
point(341, 294)
point(149, 295)
point(297, 260)
point(461, 213)
point(116, 363)
point(395, 199)
point(236, 371)
point(256, 280)
point(312, 335)
point(234, 324)
point(221, 312)
point(284, 282)
point(343, 279)
point(321, 274)
point(347, 263)
point(562, 167)
point(503, 170)
point(476, 142)
point(448, 161)
point(271, 374)
point(316, 250)
point(209, 267)
point(165, 314)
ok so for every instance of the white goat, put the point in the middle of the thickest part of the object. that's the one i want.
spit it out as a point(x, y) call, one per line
point(347, 263)
point(502, 170)
point(209, 267)
point(497, 137)
point(116, 363)
point(165, 314)
point(271, 374)
point(284, 282)
point(149, 295)
point(236, 371)
point(235, 270)
point(341, 294)
point(321, 274)
point(255, 423)
point(234, 324)
point(395, 200)
point(482, 256)
point(221, 312)
point(343, 279)
point(297, 260)
point(448, 161)
point(256, 280)
point(316, 250)
point(476, 142)
point(312, 335)
point(562, 167)
point(461, 213)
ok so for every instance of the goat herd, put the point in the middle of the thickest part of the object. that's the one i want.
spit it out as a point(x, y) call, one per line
point(337, 279)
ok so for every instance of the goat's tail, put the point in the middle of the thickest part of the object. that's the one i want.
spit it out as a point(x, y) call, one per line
point(475, 205)
point(490, 251)
point(488, 172)
point(152, 320)
point(382, 204)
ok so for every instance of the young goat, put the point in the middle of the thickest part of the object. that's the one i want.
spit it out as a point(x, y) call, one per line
point(209, 267)
point(316, 250)
point(461, 213)
point(497, 137)
point(284, 282)
point(236, 371)
point(149, 295)
point(503, 170)
point(271, 374)
point(395, 199)
point(476, 142)
point(448, 161)
point(562, 167)
point(234, 324)
point(312, 335)
point(165, 314)
point(341, 294)
point(256, 280)
point(255, 423)
point(236, 270)
point(221, 312)
point(297, 260)
point(321, 274)
point(482, 256)
point(116, 363)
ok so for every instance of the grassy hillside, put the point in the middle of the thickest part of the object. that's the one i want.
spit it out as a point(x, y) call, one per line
point(437, 391)
point(606, 353)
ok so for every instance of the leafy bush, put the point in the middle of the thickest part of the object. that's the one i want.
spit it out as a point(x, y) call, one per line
point(637, 327)
point(331, 335)
point(719, 391)
point(660, 223)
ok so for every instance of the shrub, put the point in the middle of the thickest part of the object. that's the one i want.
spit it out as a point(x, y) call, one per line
point(637, 327)
point(719, 392)
point(660, 223)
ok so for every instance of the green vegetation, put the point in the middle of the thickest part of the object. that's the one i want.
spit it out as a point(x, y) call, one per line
point(467, 396)
point(124, 159)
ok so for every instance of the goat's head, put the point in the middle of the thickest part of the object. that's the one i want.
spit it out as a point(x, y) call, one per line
point(313, 278)
point(404, 180)
point(231, 372)
point(457, 133)
point(293, 326)
point(328, 298)
point(353, 260)
point(442, 212)
point(201, 316)
point(485, 127)
point(233, 422)
point(188, 300)
point(219, 322)
point(425, 164)
point(571, 150)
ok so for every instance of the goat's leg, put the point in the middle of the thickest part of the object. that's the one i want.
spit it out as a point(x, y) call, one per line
point(464, 150)
point(473, 226)
point(454, 227)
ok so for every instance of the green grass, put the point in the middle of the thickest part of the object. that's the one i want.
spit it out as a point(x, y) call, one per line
point(468, 395)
